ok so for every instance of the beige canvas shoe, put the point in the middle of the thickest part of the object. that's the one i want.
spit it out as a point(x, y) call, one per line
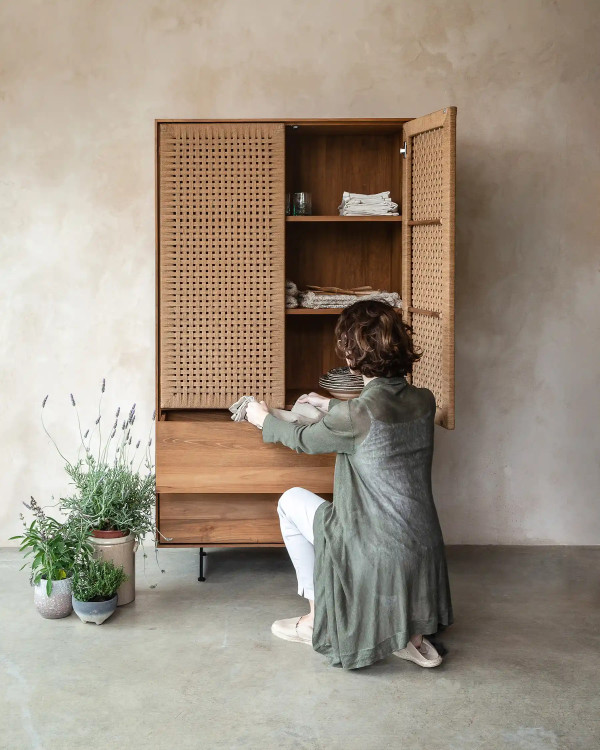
point(425, 656)
point(293, 630)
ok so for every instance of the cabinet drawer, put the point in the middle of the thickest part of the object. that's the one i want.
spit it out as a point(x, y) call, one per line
point(215, 454)
point(219, 518)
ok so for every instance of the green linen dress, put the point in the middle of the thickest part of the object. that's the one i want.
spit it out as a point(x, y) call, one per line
point(380, 565)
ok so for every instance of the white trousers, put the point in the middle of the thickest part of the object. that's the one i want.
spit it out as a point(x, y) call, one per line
point(296, 508)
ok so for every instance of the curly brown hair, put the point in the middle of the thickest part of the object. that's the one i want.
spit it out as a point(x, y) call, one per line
point(376, 341)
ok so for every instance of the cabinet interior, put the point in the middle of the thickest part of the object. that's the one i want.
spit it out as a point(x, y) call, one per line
point(331, 250)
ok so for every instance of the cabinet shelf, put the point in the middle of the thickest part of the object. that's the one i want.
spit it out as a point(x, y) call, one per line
point(319, 311)
point(350, 219)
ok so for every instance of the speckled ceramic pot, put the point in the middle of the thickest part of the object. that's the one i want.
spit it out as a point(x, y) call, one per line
point(96, 612)
point(58, 604)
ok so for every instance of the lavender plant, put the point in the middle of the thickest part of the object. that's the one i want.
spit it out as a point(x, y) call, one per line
point(114, 483)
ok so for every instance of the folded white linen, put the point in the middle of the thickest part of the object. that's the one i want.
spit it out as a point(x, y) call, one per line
point(299, 413)
point(238, 409)
point(320, 301)
point(360, 204)
point(368, 211)
point(366, 196)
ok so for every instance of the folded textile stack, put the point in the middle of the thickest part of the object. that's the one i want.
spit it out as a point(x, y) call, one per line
point(318, 300)
point(299, 413)
point(320, 297)
point(238, 410)
point(291, 294)
point(377, 204)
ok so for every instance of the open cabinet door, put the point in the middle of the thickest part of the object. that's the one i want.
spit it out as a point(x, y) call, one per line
point(221, 259)
point(428, 252)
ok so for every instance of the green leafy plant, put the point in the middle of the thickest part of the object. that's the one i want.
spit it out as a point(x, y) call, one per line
point(97, 580)
point(54, 546)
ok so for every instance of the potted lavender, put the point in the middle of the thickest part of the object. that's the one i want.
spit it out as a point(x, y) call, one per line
point(114, 491)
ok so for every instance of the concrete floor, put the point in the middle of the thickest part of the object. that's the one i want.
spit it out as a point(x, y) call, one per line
point(194, 665)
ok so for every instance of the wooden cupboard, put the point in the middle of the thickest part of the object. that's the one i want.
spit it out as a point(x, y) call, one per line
point(224, 248)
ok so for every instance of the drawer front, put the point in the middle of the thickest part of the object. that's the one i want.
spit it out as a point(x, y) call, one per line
point(220, 518)
point(224, 456)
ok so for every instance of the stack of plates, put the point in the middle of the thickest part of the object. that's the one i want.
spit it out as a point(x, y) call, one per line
point(341, 383)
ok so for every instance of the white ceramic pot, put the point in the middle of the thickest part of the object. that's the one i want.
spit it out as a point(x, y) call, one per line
point(58, 604)
point(120, 551)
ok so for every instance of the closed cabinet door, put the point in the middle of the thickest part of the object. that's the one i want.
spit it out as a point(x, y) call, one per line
point(220, 193)
point(428, 252)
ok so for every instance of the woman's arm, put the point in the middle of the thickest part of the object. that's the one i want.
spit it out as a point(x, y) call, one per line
point(256, 411)
point(315, 399)
point(332, 434)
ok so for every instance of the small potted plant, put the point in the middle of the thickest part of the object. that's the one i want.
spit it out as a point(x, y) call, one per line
point(95, 584)
point(54, 549)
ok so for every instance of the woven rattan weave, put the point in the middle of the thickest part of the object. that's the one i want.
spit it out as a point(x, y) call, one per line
point(428, 252)
point(221, 247)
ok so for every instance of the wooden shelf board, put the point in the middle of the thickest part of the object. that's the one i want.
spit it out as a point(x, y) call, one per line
point(310, 311)
point(319, 311)
point(342, 218)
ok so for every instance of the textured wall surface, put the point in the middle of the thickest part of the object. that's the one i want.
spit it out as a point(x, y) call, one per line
point(80, 85)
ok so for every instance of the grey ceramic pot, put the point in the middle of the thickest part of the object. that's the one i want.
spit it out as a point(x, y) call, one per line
point(95, 611)
point(58, 604)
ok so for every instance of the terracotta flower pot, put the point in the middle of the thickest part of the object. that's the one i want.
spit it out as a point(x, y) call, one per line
point(108, 533)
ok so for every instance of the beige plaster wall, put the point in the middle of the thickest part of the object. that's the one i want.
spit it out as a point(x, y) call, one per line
point(81, 82)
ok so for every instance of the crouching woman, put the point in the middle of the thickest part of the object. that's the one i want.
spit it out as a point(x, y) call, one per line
point(372, 564)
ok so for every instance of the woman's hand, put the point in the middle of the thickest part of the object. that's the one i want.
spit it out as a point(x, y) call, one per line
point(314, 399)
point(256, 412)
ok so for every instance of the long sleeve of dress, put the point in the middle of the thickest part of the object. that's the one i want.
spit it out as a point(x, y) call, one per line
point(335, 433)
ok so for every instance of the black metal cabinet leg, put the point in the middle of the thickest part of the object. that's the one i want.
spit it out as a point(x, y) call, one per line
point(202, 556)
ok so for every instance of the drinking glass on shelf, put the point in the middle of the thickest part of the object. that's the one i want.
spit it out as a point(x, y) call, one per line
point(302, 204)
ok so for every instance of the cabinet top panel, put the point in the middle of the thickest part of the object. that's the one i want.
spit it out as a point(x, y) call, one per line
point(323, 125)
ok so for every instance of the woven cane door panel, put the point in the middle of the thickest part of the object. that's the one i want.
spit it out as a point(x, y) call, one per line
point(428, 253)
point(221, 230)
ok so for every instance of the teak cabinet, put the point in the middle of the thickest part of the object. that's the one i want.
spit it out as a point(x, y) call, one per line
point(224, 250)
